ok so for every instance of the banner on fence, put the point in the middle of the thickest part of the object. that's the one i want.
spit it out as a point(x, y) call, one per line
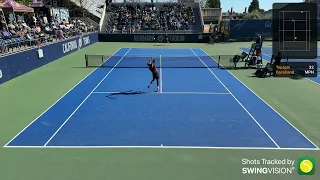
point(174, 38)
point(250, 28)
point(159, 38)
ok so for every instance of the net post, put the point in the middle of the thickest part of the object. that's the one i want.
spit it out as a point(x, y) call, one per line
point(102, 58)
point(86, 58)
point(219, 61)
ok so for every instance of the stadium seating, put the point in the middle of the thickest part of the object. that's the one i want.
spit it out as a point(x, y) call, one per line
point(143, 18)
point(22, 35)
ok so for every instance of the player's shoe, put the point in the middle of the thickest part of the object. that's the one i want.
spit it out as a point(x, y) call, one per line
point(158, 88)
point(148, 86)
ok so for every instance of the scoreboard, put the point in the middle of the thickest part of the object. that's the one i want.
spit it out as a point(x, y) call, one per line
point(305, 69)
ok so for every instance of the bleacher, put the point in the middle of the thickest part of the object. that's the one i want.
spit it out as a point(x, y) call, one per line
point(21, 36)
point(152, 18)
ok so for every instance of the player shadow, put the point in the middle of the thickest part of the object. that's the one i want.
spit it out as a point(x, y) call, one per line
point(112, 96)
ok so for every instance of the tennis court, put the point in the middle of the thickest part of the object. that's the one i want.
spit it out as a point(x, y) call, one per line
point(202, 107)
point(267, 53)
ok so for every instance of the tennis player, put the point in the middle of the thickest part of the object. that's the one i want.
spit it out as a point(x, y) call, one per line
point(154, 71)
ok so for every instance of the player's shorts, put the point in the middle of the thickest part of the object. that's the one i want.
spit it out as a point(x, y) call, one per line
point(155, 75)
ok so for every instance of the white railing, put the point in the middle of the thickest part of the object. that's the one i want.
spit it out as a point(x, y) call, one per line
point(201, 17)
point(102, 17)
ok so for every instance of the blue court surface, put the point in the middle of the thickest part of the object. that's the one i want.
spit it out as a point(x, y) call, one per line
point(195, 108)
point(267, 53)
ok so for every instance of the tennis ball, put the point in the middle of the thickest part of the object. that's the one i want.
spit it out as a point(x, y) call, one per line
point(306, 166)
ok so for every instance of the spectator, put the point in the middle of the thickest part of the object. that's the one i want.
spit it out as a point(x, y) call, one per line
point(149, 17)
point(20, 33)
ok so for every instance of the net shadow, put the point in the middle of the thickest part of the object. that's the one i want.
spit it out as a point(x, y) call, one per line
point(112, 96)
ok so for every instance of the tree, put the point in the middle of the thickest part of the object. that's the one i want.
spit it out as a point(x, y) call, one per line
point(254, 5)
point(213, 3)
point(255, 14)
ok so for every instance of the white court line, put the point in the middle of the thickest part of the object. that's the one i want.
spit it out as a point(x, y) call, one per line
point(58, 100)
point(86, 98)
point(161, 85)
point(237, 100)
point(268, 105)
point(270, 57)
point(217, 93)
point(164, 147)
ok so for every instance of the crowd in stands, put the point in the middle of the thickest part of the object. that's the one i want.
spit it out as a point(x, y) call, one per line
point(129, 18)
point(20, 34)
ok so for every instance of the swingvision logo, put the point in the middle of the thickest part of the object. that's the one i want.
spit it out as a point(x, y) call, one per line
point(306, 166)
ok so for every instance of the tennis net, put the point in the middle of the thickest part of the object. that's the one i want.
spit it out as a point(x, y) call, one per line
point(161, 61)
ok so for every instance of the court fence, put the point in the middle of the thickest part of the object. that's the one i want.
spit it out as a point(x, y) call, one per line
point(239, 30)
point(15, 45)
point(19, 63)
point(155, 37)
